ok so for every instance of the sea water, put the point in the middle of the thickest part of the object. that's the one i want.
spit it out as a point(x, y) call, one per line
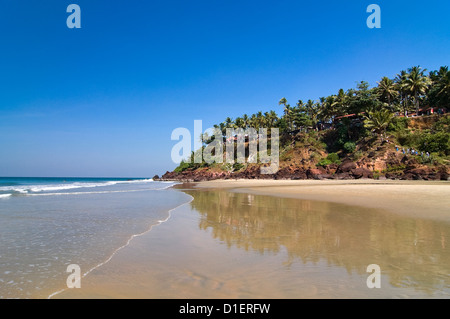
point(47, 224)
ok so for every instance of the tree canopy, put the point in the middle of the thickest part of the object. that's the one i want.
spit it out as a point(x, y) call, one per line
point(406, 93)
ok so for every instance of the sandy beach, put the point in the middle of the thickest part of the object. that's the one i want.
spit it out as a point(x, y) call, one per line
point(423, 199)
point(288, 239)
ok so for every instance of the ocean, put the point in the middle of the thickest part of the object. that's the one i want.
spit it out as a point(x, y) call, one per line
point(47, 224)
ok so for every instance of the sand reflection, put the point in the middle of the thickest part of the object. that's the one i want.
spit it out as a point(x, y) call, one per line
point(413, 252)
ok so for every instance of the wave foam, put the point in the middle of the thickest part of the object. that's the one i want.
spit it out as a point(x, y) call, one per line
point(26, 189)
point(159, 222)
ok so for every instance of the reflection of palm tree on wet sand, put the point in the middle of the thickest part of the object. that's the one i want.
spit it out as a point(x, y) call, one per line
point(410, 251)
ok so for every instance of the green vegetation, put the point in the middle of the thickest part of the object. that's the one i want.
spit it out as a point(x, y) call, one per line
point(359, 120)
point(398, 124)
point(183, 166)
point(377, 121)
point(394, 168)
point(332, 158)
point(433, 140)
point(238, 166)
point(349, 147)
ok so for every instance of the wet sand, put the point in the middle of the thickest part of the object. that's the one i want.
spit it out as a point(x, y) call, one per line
point(422, 199)
point(235, 241)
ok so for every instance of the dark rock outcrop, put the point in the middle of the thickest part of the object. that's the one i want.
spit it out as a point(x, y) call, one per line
point(408, 169)
point(361, 172)
point(346, 166)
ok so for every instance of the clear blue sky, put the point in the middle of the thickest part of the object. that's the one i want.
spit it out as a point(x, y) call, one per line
point(103, 100)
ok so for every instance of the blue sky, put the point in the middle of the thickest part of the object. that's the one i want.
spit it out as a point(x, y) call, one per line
point(103, 100)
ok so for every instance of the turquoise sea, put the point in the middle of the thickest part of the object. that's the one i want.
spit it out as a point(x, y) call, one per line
point(47, 224)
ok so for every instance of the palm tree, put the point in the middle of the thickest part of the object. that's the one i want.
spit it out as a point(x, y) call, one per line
point(287, 112)
point(400, 80)
point(377, 121)
point(253, 122)
point(416, 84)
point(297, 112)
point(245, 120)
point(312, 110)
point(387, 90)
point(271, 117)
point(284, 102)
point(439, 93)
point(441, 81)
point(340, 104)
point(260, 119)
point(436, 76)
point(300, 106)
point(444, 86)
point(221, 127)
point(239, 122)
point(229, 123)
point(327, 111)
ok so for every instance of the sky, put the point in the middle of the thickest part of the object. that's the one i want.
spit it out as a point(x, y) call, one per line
point(103, 100)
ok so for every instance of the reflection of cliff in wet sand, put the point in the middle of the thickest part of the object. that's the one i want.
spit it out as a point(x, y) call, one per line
point(412, 252)
point(241, 243)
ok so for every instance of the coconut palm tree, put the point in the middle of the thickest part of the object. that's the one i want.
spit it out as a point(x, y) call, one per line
point(260, 119)
point(377, 121)
point(439, 93)
point(245, 120)
point(340, 104)
point(327, 111)
point(239, 122)
point(437, 75)
point(441, 81)
point(400, 80)
point(312, 110)
point(416, 84)
point(229, 122)
point(221, 127)
point(287, 112)
point(444, 86)
point(271, 118)
point(297, 112)
point(387, 90)
point(253, 122)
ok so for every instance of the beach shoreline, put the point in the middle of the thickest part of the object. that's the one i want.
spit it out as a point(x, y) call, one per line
point(285, 239)
point(424, 199)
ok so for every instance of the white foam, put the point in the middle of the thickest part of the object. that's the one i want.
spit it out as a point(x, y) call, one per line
point(135, 181)
point(26, 189)
point(46, 188)
point(104, 192)
point(4, 195)
point(99, 192)
point(125, 245)
point(18, 189)
point(165, 187)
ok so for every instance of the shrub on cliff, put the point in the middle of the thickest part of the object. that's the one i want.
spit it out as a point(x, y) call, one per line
point(398, 124)
point(182, 167)
point(332, 158)
point(443, 124)
point(187, 165)
point(349, 147)
point(435, 143)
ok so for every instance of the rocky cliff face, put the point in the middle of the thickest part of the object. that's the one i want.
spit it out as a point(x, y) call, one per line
point(377, 160)
point(389, 166)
